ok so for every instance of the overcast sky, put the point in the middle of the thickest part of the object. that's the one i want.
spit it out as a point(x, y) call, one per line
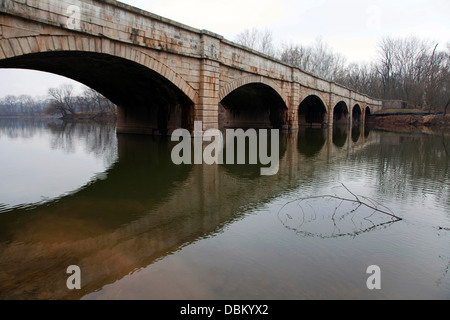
point(350, 27)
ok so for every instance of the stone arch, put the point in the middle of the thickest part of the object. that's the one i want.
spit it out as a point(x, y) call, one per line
point(151, 97)
point(252, 102)
point(312, 110)
point(235, 84)
point(17, 47)
point(324, 97)
point(340, 113)
point(367, 113)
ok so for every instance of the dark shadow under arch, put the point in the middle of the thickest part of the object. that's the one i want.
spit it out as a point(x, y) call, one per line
point(356, 115)
point(311, 112)
point(367, 112)
point(254, 105)
point(142, 95)
point(340, 113)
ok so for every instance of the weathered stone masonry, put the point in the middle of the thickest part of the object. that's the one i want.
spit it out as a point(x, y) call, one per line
point(164, 75)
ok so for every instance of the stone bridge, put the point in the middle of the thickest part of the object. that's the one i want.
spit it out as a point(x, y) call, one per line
point(164, 75)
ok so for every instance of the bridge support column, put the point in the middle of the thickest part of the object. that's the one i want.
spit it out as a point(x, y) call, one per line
point(207, 108)
point(350, 120)
point(329, 116)
point(294, 103)
point(363, 115)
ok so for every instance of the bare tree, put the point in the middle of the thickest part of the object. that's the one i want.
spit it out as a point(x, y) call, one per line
point(318, 59)
point(409, 69)
point(259, 40)
point(96, 101)
point(62, 101)
point(446, 107)
point(361, 78)
point(23, 105)
point(248, 38)
point(8, 105)
point(298, 56)
point(436, 88)
point(386, 51)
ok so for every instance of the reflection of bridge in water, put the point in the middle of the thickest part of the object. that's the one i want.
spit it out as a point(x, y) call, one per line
point(114, 226)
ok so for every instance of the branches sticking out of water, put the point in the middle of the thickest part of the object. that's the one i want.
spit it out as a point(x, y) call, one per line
point(333, 215)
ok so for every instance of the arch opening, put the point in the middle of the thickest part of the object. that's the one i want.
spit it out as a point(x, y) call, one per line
point(312, 112)
point(254, 105)
point(366, 114)
point(146, 101)
point(356, 115)
point(340, 114)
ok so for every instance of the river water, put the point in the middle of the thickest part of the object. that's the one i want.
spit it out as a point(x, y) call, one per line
point(140, 227)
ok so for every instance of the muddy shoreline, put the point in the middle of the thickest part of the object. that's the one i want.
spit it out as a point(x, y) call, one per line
point(411, 123)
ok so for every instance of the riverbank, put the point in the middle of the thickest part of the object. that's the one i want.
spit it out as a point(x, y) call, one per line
point(409, 120)
point(102, 117)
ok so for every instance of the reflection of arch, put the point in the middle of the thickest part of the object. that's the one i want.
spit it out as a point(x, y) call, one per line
point(252, 105)
point(144, 176)
point(356, 133)
point(147, 92)
point(310, 141)
point(340, 113)
point(252, 171)
point(312, 111)
point(339, 136)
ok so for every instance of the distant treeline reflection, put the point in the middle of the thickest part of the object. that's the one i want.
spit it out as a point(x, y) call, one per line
point(97, 139)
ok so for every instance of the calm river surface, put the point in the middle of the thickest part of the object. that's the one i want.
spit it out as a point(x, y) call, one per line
point(140, 227)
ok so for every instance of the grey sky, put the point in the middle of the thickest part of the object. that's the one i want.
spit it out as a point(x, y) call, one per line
point(350, 27)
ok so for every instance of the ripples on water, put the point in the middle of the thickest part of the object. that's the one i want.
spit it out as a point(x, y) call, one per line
point(141, 227)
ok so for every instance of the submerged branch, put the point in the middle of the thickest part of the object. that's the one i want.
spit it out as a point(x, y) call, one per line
point(357, 200)
point(347, 216)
